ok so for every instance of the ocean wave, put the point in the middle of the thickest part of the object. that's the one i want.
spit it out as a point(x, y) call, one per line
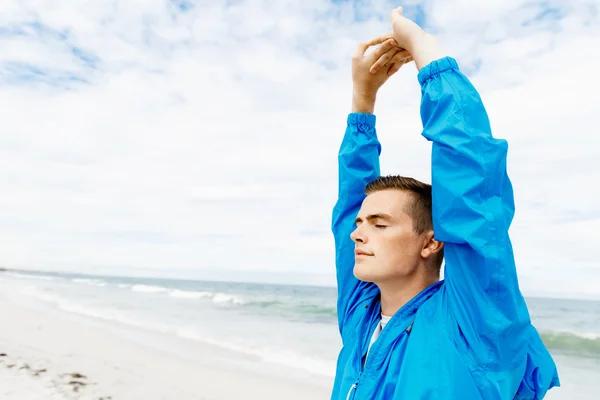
point(215, 297)
point(264, 305)
point(273, 356)
point(227, 298)
point(185, 294)
point(280, 357)
point(288, 307)
point(32, 276)
point(33, 291)
point(75, 308)
point(318, 310)
point(580, 343)
point(91, 282)
point(276, 305)
point(250, 301)
point(148, 288)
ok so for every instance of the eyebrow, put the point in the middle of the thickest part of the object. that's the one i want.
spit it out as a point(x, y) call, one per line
point(371, 217)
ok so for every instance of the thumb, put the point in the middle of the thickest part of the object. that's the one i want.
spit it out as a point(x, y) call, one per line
point(396, 11)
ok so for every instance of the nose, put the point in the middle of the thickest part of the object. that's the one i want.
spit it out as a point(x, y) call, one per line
point(358, 236)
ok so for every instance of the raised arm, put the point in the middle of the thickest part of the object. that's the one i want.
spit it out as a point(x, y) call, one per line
point(358, 164)
point(472, 206)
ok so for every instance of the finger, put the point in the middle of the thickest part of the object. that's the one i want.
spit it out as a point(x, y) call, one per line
point(383, 60)
point(402, 55)
point(362, 47)
point(380, 39)
point(388, 59)
point(386, 46)
point(395, 67)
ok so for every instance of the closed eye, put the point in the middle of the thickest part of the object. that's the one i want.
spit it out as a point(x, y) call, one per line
point(380, 226)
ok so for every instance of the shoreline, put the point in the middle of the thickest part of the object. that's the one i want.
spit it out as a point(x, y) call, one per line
point(104, 340)
point(56, 356)
point(160, 275)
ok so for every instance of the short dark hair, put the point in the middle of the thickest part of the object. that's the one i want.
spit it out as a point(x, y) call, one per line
point(419, 209)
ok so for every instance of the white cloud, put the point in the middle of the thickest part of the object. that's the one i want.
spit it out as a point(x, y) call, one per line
point(139, 136)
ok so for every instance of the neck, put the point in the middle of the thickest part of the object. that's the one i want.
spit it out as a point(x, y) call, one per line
point(394, 295)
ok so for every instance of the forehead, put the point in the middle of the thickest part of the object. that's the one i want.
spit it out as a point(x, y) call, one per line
point(392, 202)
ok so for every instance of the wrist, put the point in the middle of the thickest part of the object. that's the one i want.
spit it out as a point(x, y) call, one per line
point(425, 49)
point(363, 101)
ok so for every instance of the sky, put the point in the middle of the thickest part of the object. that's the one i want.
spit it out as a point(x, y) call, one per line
point(199, 138)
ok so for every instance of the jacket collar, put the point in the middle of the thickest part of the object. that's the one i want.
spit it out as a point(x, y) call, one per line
point(405, 315)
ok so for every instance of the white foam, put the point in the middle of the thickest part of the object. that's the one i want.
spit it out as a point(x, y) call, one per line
point(33, 277)
point(226, 298)
point(81, 310)
point(91, 282)
point(280, 357)
point(582, 335)
point(148, 289)
point(217, 298)
point(184, 294)
point(68, 306)
point(34, 292)
point(589, 335)
point(106, 315)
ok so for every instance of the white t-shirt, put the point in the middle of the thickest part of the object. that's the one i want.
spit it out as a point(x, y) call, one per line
point(378, 329)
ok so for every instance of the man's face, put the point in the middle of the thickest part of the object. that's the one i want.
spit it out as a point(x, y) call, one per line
point(386, 247)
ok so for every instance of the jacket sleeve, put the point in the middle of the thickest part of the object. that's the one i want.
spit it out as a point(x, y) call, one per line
point(472, 209)
point(358, 164)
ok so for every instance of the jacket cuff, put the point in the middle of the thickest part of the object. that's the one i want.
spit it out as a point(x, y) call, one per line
point(436, 67)
point(361, 119)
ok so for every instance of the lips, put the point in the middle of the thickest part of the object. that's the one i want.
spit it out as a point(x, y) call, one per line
point(359, 252)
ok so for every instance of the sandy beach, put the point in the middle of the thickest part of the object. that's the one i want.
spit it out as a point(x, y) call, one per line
point(89, 337)
point(52, 356)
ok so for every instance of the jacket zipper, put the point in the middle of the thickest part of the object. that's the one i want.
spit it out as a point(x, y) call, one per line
point(421, 299)
point(354, 385)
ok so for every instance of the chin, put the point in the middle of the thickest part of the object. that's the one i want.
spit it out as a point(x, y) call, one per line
point(364, 273)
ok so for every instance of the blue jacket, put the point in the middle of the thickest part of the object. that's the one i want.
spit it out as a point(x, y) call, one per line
point(470, 335)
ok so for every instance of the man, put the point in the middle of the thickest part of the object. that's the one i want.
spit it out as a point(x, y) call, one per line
point(406, 334)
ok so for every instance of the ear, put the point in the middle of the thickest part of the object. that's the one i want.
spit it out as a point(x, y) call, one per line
point(431, 247)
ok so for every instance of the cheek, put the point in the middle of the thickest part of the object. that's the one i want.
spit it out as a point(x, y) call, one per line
point(397, 247)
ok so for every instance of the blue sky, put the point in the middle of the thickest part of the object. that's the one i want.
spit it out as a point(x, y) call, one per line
point(194, 138)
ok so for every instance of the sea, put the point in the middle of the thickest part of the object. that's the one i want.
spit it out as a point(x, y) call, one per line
point(279, 325)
